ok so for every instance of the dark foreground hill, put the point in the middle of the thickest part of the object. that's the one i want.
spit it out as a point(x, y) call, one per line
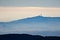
point(26, 37)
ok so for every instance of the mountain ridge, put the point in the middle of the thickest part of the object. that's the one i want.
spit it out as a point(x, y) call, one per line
point(38, 23)
point(27, 37)
point(31, 18)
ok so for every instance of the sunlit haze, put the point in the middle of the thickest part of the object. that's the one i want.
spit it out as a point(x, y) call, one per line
point(15, 13)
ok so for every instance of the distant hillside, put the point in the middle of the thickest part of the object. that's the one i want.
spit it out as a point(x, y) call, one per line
point(26, 37)
point(28, 25)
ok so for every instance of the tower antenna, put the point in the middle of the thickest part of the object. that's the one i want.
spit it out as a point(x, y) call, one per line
point(41, 14)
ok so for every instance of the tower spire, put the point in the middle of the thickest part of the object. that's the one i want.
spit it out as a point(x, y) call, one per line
point(41, 14)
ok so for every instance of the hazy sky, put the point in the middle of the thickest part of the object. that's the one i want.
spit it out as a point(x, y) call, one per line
point(17, 9)
point(40, 3)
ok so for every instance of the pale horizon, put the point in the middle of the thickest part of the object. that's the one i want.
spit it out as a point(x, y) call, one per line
point(15, 13)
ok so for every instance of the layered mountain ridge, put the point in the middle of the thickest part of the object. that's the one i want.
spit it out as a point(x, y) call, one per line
point(38, 23)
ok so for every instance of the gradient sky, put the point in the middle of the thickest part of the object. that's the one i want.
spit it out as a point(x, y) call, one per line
point(40, 3)
point(17, 9)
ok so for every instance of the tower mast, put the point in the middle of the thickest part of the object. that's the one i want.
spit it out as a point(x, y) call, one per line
point(41, 14)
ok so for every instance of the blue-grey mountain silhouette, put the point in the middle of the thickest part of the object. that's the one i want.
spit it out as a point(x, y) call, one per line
point(32, 24)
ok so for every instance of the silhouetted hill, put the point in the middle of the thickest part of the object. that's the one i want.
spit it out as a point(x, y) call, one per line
point(26, 37)
point(52, 38)
point(20, 37)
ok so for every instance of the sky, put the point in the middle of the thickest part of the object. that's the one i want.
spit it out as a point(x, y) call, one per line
point(19, 9)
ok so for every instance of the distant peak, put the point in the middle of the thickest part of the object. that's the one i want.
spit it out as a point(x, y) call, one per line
point(39, 16)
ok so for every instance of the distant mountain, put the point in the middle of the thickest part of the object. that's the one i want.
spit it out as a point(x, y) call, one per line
point(37, 19)
point(38, 23)
point(27, 37)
